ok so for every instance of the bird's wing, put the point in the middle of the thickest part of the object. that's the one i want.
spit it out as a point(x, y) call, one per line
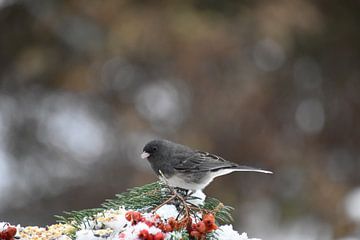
point(206, 162)
point(203, 162)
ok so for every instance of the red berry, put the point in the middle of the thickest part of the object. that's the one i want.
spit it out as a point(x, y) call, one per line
point(172, 222)
point(137, 216)
point(195, 234)
point(144, 234)
point(211, 228)
point(200, 227)
point(209, 219)
point(128, 215)
point(8, 234)
point(149, 223)
point(134, 217)
point(159, 236)
point(11, 231)
point(168, 228)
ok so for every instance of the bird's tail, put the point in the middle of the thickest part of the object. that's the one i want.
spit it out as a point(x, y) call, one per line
point(242, 168)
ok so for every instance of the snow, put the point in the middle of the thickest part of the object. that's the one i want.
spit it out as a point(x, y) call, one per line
point(167, 211)
point(199, 198)
point(226, 232)
point(86, 235)
point(118, 223)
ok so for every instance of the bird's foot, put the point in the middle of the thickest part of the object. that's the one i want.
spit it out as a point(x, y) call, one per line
point(184, 192)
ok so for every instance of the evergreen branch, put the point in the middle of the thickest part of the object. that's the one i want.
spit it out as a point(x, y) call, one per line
point(138, 198)
point(222, 212)
point(211, 236)
point(144, 198)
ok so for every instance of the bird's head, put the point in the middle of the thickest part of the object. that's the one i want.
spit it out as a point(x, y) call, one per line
point(154, 149)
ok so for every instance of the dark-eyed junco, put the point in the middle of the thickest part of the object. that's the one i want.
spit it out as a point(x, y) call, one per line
point(186, 168)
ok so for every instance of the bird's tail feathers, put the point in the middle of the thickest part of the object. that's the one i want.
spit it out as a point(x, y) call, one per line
point(251, 169)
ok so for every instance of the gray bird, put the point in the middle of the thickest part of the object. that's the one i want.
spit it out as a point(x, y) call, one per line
point(186, 168)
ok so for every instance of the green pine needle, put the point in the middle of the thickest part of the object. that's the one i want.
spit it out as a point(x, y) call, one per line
point(222, 212)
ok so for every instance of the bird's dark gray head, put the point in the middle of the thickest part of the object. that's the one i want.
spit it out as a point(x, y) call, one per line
point(159, 154)
point(157, 148)
point(163, 153)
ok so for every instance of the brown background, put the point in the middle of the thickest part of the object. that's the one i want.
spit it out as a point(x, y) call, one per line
point(274, 84)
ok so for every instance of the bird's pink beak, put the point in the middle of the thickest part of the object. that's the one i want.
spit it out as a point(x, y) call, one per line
point(145, 155)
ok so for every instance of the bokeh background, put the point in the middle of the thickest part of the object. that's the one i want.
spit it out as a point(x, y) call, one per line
point(84, 84)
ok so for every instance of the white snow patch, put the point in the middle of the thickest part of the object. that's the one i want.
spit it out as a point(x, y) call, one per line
point(167, 211)
point(226, 232)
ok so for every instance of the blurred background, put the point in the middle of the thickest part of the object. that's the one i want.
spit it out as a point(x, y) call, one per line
point(84, 84)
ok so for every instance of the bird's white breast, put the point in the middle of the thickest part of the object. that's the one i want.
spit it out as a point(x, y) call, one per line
point(177, 181)
point(183, 181)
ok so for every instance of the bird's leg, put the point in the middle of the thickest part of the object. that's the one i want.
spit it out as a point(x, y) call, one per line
point(172, 189)
point(182, 200)
point(175, 195)
point(183, 191)
point(183, 197)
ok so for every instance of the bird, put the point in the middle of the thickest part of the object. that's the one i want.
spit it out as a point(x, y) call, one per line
point(182, 167)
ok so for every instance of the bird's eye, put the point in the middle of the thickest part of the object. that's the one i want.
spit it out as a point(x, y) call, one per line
point(154, 149)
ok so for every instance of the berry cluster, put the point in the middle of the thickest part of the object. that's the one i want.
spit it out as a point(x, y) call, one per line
point(145, 235)
point(135, 217)
point(196, 230)
point(8, 233)
point(206, 225)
